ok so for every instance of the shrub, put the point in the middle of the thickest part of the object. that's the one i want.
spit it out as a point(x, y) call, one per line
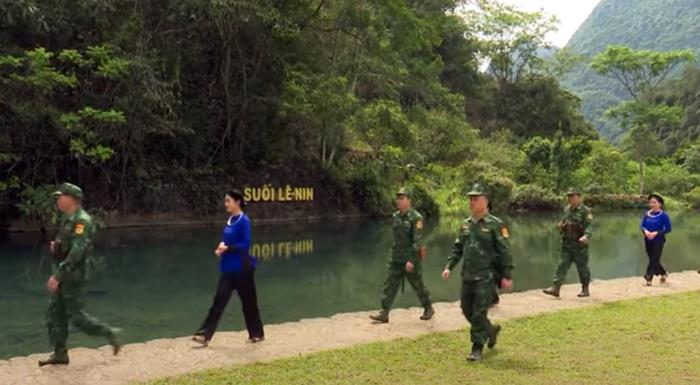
point(534, 197)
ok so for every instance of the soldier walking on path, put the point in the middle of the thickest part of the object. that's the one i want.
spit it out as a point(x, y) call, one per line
point(406, 259)
point(482, 242)
point(576, 231)
point(71, 253)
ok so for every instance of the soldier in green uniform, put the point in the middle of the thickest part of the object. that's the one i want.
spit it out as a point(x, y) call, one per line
point(576, 231)
point(407, 255)
point(71, 250)
point(482, 242)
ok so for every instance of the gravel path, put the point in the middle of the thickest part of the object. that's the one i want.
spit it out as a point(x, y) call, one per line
point(168, 357)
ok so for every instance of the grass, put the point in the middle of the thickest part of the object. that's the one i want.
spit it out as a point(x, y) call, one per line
point(647, 341)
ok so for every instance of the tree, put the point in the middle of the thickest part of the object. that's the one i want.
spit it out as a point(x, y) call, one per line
point(82, 125)
point(641, 72)
point(512, 40)
point(551, 163)
point(325, 105)
point(603, 170)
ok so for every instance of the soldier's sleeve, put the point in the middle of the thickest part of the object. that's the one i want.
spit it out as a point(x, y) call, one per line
point(504, 260)
point(588, 224)
point(456, 255)
point(77, 252)
point(417, 238)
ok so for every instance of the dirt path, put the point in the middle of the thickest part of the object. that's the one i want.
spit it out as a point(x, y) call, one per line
point(168, 357)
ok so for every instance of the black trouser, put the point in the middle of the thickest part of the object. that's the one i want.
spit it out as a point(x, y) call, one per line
point(244, 284)
point(654, 250)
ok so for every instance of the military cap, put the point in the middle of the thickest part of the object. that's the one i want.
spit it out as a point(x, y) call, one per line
point(477, 190)
point(68, 189)
point(405, 191)
point(572, 191)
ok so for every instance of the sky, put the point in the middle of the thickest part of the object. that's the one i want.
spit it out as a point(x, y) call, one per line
point(571, 13)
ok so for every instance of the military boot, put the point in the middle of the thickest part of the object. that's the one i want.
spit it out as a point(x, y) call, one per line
point(553, 291)
point(116, 346)
point(584, 292)
point(476, 353)
point(493, 338)
point(59, 357)
point(428, 313)
point(381, 317)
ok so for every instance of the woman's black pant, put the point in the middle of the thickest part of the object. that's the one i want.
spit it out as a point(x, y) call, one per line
point(654, 250)
point(244, 284)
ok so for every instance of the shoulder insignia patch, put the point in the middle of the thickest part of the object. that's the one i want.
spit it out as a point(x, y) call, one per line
point(79, 228)
point(589, 216)
point(504, 232)
point(419, 224)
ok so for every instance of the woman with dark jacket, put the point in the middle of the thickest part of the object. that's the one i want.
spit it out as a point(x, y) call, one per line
point(655, 225)
point(237, 268)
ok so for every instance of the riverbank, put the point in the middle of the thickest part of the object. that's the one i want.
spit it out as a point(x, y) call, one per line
point(175, 220)
point(169, 357)
point(275, 213)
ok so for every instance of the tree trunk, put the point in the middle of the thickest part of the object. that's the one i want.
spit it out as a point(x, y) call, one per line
point(641, 177)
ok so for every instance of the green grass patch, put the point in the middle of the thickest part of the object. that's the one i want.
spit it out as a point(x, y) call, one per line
point(647, 341)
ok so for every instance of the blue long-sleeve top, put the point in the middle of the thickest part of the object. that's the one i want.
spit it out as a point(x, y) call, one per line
point(656, 221)
point(236, 236)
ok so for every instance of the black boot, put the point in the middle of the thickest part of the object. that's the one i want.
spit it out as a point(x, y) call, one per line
point(495, 329)
point(381, 317)
point(116, 346)
point(584, 292)
point(428, 313)
point(59, 357)
point(553, 291)
point(475, 355)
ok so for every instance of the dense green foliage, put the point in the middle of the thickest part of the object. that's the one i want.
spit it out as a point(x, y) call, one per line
point(659, 25)
point(160, 106)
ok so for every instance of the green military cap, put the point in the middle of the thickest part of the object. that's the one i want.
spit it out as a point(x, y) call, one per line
point(477, 190)
point(405, 191)
point(68, 189)
point(572, 191)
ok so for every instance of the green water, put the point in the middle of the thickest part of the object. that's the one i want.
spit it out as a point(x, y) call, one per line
point(159, 282)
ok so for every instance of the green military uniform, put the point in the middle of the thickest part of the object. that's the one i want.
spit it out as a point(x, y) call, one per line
point(484, 247)
point(71, 257)
point(408, 230)
point(576, 223)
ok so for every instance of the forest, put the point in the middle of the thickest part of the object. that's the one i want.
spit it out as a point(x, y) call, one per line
point(640, 24)
point(160, 106)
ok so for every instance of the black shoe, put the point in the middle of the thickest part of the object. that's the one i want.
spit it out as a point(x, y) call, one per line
point(553, 291)
point(475, 355)
point(494, 336)
point(60, 358)
point(428, 313)
point(381, 317)
point(584, 292)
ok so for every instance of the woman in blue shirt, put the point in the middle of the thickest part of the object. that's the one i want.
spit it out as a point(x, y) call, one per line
point(237, 268)
point(655, 225)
